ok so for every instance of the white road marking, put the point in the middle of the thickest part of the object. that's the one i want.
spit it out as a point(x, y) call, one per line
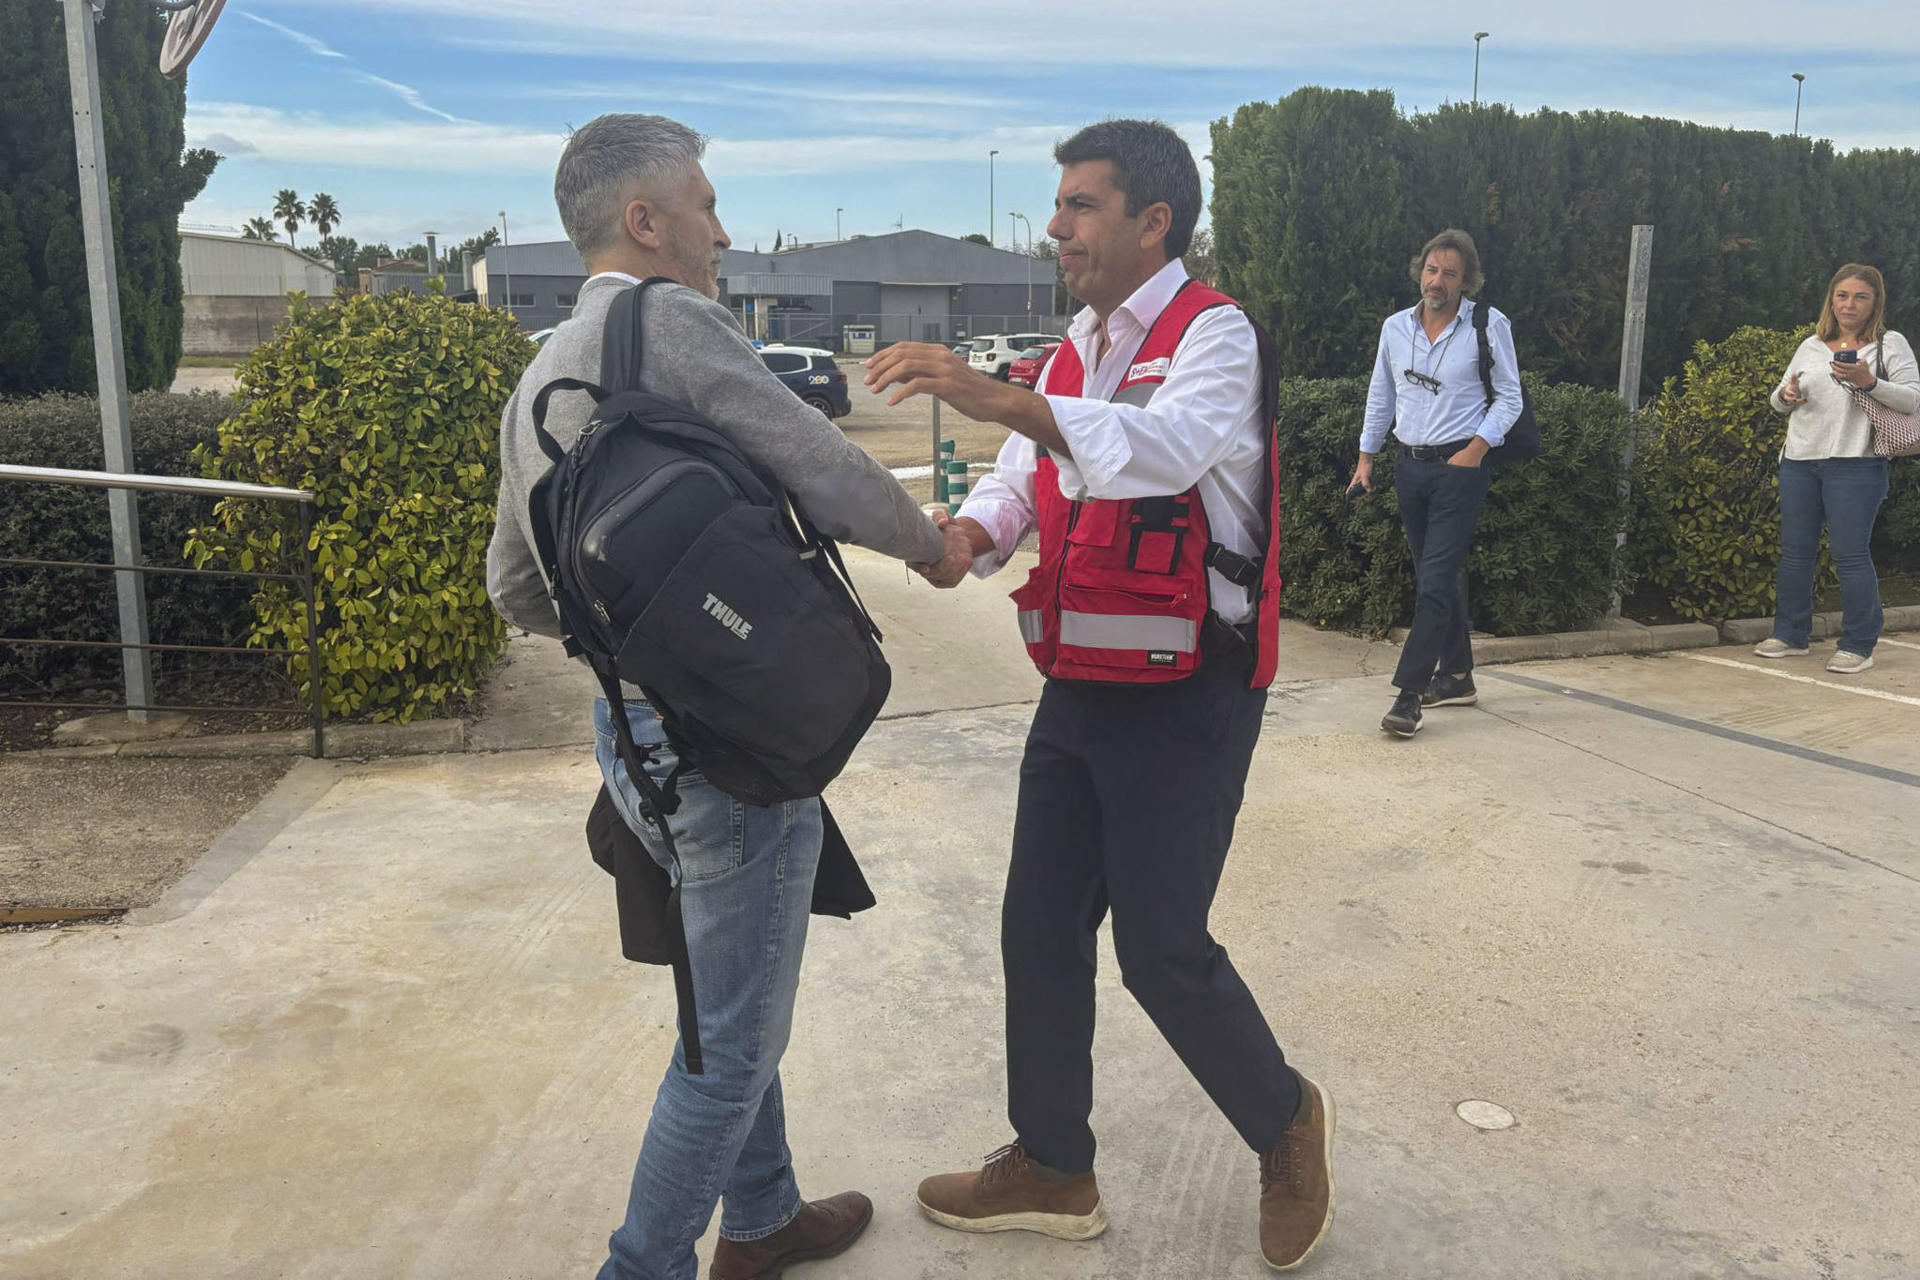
point(1899, 644)
point(1787, 675)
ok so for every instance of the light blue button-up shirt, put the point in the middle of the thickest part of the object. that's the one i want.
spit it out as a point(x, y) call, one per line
point(1415, 413)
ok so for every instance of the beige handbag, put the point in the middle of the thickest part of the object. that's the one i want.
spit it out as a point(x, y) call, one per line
point(1895, 434)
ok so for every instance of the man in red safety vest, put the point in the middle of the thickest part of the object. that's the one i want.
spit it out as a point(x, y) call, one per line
point(1146, 461)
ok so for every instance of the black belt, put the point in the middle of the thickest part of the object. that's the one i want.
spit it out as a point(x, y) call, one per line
point(1434, 452)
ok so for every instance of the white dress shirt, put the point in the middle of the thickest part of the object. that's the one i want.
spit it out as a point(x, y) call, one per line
point(1202, 429)
point(1460, 410)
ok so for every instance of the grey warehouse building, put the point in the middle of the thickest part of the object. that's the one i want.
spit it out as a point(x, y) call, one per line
point(906, 286)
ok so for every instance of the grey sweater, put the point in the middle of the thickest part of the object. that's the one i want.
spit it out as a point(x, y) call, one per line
point(694, 354)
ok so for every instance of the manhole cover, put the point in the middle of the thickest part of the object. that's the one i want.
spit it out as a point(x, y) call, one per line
point(1484, 1115)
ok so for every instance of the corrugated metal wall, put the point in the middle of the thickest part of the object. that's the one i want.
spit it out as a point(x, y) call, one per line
point(215, 266)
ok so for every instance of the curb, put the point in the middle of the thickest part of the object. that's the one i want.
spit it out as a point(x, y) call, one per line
point(1620, 637)
point(344, 742)
point(1826, 626)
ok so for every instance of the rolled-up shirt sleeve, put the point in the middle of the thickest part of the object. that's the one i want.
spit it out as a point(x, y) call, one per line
point(1003, 503)
point(1164, 447)
point(1505, 408)
point(1380, 400)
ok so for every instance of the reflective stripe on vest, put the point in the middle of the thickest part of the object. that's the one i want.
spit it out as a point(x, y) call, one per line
point(1033, 626)
point(1125, 631)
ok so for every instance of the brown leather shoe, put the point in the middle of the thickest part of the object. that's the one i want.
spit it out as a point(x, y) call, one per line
point(821, 1229)
point(1013, 1193)
point(1296, 1183)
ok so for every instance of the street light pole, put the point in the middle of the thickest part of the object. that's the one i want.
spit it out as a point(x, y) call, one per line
point(1023, 218)
point(836, 222)
point(509, 270)
point(1478, 36)
point(1799, 83)
point(109, 355)
point(990, 156)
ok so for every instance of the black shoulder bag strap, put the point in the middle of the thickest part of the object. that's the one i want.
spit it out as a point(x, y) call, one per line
point(1480, 313)
point(620, 371)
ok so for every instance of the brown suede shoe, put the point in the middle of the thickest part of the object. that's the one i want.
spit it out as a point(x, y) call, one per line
point(1013, 1193)
point(1296, 1183)
point(821, 1229)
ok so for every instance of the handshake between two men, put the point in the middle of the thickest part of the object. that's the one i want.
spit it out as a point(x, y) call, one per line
point(924, 368)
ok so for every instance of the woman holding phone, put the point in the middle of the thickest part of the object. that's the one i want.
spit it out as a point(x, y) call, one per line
point(1829, 474)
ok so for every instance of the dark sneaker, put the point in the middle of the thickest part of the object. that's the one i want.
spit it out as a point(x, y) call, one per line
point(1013, 1193)
point(1296, 1183)
point(1404, 719)
point(822, 1229)
point(1450, 691)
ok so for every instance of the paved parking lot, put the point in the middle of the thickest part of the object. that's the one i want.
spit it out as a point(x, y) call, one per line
point(1661, 910)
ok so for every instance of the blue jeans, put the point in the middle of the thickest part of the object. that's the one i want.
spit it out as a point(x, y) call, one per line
point(1439, 505)
point(1846, 494)
point(746, 890)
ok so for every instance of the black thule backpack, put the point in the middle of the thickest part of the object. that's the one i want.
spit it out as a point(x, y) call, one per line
point(679, 566)
point(1523, 437)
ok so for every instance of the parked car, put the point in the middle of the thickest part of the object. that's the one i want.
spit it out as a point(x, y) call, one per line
point(1025, 371)
point(994, 354)
point(811, 374)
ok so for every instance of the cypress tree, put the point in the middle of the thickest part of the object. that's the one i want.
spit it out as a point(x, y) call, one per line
point(46, 333)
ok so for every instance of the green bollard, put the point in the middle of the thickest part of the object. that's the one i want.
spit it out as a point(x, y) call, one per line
point(956, 494)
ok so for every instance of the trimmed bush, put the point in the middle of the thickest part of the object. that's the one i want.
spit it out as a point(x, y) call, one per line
point(1707, 526)
point(388, 407)
point(1544, 556)
point(54, 522)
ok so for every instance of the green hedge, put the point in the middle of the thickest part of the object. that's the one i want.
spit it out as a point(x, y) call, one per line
point(388, 407)
point(1320, 198)
point(1543, 561)
point(52, 522)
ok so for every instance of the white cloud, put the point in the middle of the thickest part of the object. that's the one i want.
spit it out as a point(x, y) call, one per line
point(1193, 33)
point(407, 94)
point(311, 138)
point(313, 44)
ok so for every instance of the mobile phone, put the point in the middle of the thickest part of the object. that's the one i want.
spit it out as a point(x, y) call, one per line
point(1355, 490)
point(1846, 357)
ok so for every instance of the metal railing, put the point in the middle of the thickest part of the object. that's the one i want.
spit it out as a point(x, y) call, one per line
point(303, 499)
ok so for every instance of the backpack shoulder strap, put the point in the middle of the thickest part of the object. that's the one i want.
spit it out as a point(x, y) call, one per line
point(1481, 311)
point(548, 445)
point(622, 344)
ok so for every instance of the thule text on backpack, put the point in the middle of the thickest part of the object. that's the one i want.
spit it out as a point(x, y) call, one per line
point(728, 618)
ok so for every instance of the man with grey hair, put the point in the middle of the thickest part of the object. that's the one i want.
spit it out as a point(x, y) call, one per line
point(636, 203)
point(1429, 388)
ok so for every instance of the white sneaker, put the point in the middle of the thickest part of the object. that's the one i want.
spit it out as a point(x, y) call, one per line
point(1847, 663)
point(1774, 647)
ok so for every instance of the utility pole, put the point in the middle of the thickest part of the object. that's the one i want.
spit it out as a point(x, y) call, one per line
point(1799, 83)
point(1478, 36)
point(508, 271)
point(990, 156)
point(1023, 218)
point(109, 356)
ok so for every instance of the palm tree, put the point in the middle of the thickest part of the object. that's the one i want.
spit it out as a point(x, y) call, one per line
point(259, 229)
point(288, 210)
point(323, 213)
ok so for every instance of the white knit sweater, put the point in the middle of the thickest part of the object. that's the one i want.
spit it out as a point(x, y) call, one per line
point(1830, 424)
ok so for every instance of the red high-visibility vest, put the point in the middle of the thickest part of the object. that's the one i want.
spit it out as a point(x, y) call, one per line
point(1120, 594)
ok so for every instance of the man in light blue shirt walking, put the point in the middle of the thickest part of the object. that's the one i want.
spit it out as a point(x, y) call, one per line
point(1427, 387)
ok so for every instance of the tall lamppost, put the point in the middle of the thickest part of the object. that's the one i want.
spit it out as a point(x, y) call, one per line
point(990, 156)
point(1478, 36)
point(1023, 218)
point(1799, 83)
point(836, 222)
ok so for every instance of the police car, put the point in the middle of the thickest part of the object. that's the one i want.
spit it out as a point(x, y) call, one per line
point(811, 374)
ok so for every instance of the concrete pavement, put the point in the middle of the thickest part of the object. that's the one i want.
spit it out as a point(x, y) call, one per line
point(1661, 909)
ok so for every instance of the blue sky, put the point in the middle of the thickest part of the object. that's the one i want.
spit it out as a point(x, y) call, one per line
point(437, 114)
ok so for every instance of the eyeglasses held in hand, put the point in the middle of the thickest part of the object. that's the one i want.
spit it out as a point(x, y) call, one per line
point(1419, 379)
